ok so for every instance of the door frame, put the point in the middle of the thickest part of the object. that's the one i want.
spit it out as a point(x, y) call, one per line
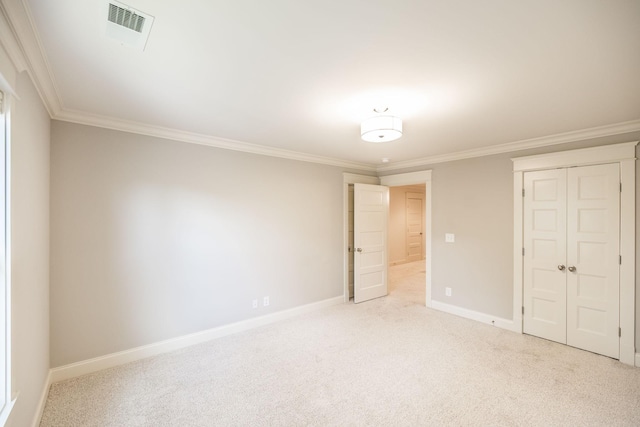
point(412, 178)
point(624, 154)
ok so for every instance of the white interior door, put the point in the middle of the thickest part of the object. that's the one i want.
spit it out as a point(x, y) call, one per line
point(571, 263)
point(593, 265)
point(371, 206)
point(413, 203)
point(545, 249)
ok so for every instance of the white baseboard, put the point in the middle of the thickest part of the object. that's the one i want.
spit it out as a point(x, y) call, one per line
point(43, 401)
point(638, 360)
point(115, 359)
point(475, 315)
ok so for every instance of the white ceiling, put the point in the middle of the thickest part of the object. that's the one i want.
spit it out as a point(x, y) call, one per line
point(301, 75)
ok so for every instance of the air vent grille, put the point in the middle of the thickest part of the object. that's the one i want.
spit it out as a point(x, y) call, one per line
point(125, 18)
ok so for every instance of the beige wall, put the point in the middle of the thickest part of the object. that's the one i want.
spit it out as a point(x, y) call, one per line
point(473, 200)
point(129, 212)
point(30, 128)
point(154, 239)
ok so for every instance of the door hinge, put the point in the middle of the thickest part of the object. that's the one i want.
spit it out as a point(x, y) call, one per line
point(620, 259)
point(621, 187)
point(523, 192)
point(523, 309)
point(619, 332)
point(522, 251)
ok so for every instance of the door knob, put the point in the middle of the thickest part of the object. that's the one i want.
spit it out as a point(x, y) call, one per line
point(561, 267)
point(571, 269)
point(359, 249)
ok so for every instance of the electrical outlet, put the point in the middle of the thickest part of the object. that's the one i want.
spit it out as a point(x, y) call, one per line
point(447, 291)
point(265, 301)
point(449, 237)
point(254, 303)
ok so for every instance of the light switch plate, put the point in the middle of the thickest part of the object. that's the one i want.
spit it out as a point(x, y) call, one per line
point(449, 237)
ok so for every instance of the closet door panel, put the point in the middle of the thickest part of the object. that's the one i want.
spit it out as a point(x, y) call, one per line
point(593, 232)
point(545, 234)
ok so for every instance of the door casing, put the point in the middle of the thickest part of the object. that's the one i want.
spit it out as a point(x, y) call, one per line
point(624, 154)
point(422, 177)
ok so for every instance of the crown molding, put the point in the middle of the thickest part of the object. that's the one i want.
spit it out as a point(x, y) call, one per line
point(9, 41)
point(33, 58)
point(545, 141)
point(201, 139)
point(25, 49)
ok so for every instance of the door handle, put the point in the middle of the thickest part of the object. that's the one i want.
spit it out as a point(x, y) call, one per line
point(561, 267)
point(359, 249)
point(571, 269)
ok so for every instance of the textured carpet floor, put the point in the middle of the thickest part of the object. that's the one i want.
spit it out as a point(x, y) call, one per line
point(390, 361)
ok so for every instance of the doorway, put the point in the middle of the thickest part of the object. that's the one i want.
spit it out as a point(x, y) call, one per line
point(414, 178)
point(406, 224)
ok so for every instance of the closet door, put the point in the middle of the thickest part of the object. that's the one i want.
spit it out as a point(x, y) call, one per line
point(571, 261)
point(593, 264)
point(545, 248)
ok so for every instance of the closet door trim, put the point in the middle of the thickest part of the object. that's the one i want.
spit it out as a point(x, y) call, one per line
point(624, 154)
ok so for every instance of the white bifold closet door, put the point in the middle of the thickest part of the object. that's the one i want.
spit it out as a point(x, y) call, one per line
point(571, 256)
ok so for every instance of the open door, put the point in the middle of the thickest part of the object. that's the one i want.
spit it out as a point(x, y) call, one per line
point(371, 206)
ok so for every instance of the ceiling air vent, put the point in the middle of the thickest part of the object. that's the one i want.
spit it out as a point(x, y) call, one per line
point(127, 25)
point(125, 18)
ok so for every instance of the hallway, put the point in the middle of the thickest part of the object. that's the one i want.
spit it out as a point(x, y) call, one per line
point(407, 282)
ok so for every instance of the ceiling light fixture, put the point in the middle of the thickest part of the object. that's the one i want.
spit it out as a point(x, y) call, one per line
point(381, 127)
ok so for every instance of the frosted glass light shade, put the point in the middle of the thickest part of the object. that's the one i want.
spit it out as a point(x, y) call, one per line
point(381, 129)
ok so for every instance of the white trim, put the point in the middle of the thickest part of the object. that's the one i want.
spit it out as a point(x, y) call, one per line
point(475, 315)
point(202, 139)
point(26, 51)
point(44, 394)
point(583, 157)
point(422, 177)
point(349, 178)
point(7, 345)
point(115, 359)
point(6, 413)
point(518, 245)
point(352, 178)
point(624, 154)
point(9, 41)
point(628, 254)
point(410, 178)
point(638, 360)
point(525, 144)
point(31, 56)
